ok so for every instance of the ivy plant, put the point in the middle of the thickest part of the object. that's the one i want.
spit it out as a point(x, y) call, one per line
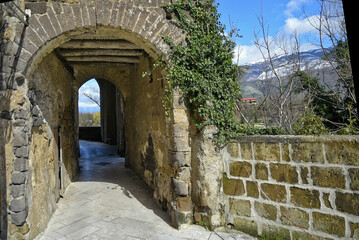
point(201, 67)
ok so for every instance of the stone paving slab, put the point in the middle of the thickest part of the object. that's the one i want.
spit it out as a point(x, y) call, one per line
point(110, 202)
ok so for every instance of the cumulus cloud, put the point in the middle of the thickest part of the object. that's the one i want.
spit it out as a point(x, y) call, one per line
point(301, 26)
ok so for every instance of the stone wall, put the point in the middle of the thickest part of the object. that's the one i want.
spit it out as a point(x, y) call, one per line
point(277, 186)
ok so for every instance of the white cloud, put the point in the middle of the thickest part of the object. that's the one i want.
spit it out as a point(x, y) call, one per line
point(301, 26)
point(246, 54)
point(294, 6)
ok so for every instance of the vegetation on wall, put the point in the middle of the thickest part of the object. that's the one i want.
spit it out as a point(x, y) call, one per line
point(201, 67)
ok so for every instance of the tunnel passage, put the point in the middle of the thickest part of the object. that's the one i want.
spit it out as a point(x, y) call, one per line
point(65, 44)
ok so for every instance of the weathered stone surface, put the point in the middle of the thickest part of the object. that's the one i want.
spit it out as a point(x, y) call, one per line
point(20, 139)
point(18, 178)
point(308, 152)
point(266, 210)
point(300, 217)
point(246, 151)
point(304, 175)
point(233, 187)
point(18, 204)
point(18, 218)
point(329, 224)
point(354, 178)
point(22, 152)
point(275, 193)
point(36, 7)
point(348, 203)
point(305, 198)
point(240, 207)
point(240, 169)
point(267, 151)
point(328, 177)
point(233, 150)
point(261, 171)
point(252, 189)
point(284, 173)
point(184, 204)
point(17, 190)
point(344, 152)
point(327, 201)
point(181, 188)
point(246, 226)
point(273, 232)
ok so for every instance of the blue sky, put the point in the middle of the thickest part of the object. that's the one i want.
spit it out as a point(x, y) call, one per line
point(282, 16)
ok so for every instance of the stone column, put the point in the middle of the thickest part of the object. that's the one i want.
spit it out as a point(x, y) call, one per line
point(181, 161)
point(207, 172)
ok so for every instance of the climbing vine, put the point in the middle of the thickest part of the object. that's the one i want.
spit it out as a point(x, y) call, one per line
point(201, 67)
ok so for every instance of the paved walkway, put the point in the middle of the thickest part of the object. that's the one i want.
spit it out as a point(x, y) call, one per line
point(111, 202)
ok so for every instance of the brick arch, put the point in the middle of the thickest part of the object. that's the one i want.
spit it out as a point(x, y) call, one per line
point(53, 23)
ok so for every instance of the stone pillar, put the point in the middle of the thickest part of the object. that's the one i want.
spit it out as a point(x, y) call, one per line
point(207, 172)
point(108, 111)
point(181, 161)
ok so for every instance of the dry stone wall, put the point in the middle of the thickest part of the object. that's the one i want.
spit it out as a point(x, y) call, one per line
point(284, 186)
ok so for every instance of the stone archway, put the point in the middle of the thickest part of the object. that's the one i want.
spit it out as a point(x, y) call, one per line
point(64, 45)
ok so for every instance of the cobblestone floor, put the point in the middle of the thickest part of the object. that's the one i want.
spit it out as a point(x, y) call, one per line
point(109, 201)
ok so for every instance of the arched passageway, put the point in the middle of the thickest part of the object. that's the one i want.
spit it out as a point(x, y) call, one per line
point(65, 44)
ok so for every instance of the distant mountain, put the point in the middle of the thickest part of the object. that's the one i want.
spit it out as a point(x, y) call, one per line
point(309, 61)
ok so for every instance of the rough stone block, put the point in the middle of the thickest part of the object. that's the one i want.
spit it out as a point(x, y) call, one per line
point(18, 205)
point(17, 190)
point(18, 178)
point(234, 187)
point(328, 177)
point(18, 218)
point(261, 171)
point(284, 173)
point(246, 151)
point(20, 139)
point(343, 153)
point(275, 193)
point(252, 189)
point(354, 178)
point(348, 203)
point(181, 188)
point(240, 207)
point(329, 224)
point(240, 169)
point(304, 197)
point(233, 149)
point(300, 217)
point(266, 210)
point(267, 151)
point(184, 204)
point(308, 152)
point(246, 226)
point(22, 152)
